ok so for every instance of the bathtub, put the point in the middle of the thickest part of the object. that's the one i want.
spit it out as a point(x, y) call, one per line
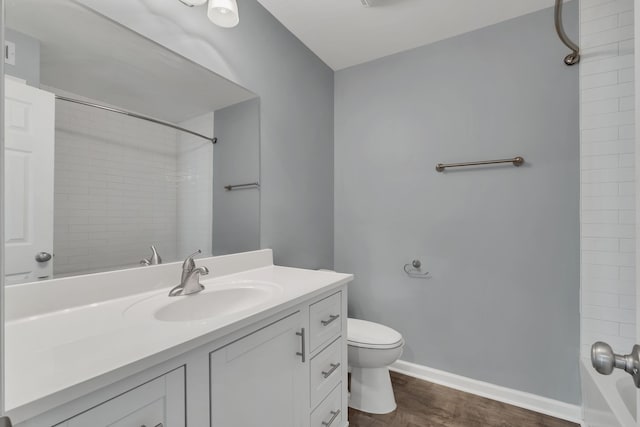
point(607, 400)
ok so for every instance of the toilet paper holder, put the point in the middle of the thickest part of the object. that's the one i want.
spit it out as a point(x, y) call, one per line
point(414, 271)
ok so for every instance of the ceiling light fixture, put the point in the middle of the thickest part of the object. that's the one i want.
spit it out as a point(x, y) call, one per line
point(223, 13)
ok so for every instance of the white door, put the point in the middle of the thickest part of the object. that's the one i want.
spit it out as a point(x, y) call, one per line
point(29, 157)
point(260, 379)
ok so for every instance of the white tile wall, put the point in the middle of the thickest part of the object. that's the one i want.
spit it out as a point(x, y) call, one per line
point(195, 191)
point(115, 190)
point(607, 123)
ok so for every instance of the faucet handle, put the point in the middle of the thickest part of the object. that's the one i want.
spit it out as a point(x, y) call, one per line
point(189, 264)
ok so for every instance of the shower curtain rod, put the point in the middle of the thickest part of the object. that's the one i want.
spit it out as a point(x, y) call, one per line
point(574, 57)
point(213, 140)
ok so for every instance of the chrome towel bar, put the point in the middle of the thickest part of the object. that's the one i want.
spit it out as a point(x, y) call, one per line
point(242, 186)
point(517, 161)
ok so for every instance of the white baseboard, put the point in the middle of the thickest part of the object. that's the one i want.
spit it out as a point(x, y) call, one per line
point(533, 402)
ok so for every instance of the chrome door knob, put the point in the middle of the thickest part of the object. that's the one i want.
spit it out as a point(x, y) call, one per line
point(604, 360)
point(43, 256)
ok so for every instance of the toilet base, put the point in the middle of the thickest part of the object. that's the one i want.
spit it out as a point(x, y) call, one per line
point(371, 390)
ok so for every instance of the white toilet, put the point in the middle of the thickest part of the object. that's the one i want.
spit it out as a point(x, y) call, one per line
point(371, 349)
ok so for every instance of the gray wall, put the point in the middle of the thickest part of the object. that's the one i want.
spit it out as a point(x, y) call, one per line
point(501, 243)
point(27, 57)
point(296, 113)
point(236, 160)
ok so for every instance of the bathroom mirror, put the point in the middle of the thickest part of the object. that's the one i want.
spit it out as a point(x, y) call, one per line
point(89, 189)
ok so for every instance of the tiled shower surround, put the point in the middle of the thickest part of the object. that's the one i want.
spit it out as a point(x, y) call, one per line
point(116, 189)
point(607, 166)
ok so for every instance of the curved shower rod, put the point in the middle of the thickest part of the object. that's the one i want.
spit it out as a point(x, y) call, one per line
point(574, 57)
point(212, 140)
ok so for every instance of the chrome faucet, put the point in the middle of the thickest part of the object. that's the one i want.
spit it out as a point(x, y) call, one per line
point(154, 259)
point(190, 280)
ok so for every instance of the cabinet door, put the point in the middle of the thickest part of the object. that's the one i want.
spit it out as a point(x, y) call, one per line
point(260, 380)
point(157, 403)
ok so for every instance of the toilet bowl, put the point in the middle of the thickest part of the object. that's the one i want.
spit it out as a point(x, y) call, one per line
point(371, 349)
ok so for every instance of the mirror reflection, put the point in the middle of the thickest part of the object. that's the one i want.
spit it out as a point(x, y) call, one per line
point(91, 189)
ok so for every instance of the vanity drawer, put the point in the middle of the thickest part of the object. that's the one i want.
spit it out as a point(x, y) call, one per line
point(326, 371)
point(159, 402)
point(329, 413)
point(325, 320)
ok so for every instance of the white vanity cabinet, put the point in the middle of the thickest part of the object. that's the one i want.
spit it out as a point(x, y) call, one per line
point(260, 379)
point(291, 373)
point(328, 367)
point(286, 370)
point(157, 403)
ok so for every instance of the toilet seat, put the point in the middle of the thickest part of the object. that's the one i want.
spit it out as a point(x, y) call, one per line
point(365, 334)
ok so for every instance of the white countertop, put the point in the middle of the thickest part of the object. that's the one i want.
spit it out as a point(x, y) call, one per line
point(51, 352)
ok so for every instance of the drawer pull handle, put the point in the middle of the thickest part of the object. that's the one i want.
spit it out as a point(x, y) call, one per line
point(328, 373)
point(157, 425)
point(331, 319)
point(301, 354)
point(334, 415)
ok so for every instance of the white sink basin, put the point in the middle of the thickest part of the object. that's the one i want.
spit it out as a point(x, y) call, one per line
point(217, 300)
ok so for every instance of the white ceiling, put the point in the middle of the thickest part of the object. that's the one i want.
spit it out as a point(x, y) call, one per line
point(344, 33)
point(84, 53)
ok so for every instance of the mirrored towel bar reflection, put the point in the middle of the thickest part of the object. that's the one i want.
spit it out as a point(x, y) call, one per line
point(213, 140)
point(517, 161)
point(242, 186)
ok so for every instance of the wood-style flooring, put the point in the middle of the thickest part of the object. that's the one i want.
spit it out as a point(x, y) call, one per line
point(424, 404)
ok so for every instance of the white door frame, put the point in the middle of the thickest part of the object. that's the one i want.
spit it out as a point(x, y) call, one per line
point(2, 299)
point(636, 6)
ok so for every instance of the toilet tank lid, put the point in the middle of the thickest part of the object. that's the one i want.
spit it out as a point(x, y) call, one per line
point(365, 332)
